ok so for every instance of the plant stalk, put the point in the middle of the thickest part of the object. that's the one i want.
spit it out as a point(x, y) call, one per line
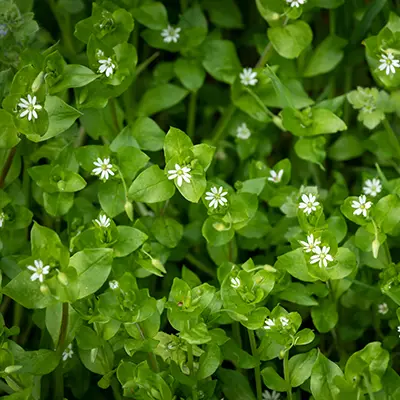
point(59, 378)
point(152, 358)
point(7, 166)
point(392, 138)
point(257, 372)
point(369, 389)
point(286, 375)
point(191, 123)
point(200, 265)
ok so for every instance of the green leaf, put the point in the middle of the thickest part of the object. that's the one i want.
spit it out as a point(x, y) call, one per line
point(190, 72)
point(93, 267)
point(221, 60)
point(224, 13)
point(74, 76)
point(8, 132)
point(326, 56)
point(209, 361)
point(233, 352)
point(300, 367)
point(346, 148)
point(151, 186)
point(325, 315)
point(112, 197)
point(387, 213)
point(311, 149)
point(235, 385)
point(323, 377)
point(152, 15)
point(273, 380)
point(129, 240)
point(167, 231)
point(176, 144)
point(39, 362)
point(289, 41)
point(160, 98)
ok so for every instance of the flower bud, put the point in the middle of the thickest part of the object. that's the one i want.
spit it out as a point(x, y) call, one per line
point(62, 278)
point(219, 226)
point(38, 82)
point(45, 289)
point(12, 368)
point(129, 209)
point(61, 185)
point(158, 264)
point(278, 122)
point(375, 248)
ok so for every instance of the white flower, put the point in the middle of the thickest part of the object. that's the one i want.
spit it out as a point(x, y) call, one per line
point(2, 219)
point(383, 308)
point(181, 173)
point(113, 285)
point(309, 203)
point(103, 168)
point(361, 206)
point(217, 197)
point(275, 177)
point(243, 132)
point(171, 34)
point(99, 53)
point(267, 395)
point(398, 329)
point(310, 244)
point(284, 321)
point(296, 3)
point(235, 282)
point(248, 77)
point(29, 107)
point(389, 63)
point(39, 270)
point(321, 256)
point(372, 187)
point(106, 67)
point(269, 323)
point(68, 352)
point(103, 221)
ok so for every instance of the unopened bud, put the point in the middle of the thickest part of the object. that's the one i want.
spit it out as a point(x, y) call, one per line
point(219, 226)
point(45, 289)
point(61, 185)
point(38, 82)
point(62, 278)
point(158, 264)
point(129, 209)
point(278, 122)
point(375, 248)
point(269, 268)
point(12, 368)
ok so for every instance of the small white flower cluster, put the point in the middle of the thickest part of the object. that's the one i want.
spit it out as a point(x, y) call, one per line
point(39, 270)
point(275, 177)
point(216, 197)
point(103, 221)
point(28, 107)
point(243, 132)
point(388, 63)
point(2, 218)
point(309, 203)
point(235, 283)
point(372, 187)
point(107, 66)
point(180, 174)
point(103, 168)
point(113, 285)
point(398, 330)
point(68, 353)
point(272, 323)
point(248, 77)
point(170, 34)
point(296, 3)
point(321, 255)
point(267, 395)
point(361, 206)
point(383, 308)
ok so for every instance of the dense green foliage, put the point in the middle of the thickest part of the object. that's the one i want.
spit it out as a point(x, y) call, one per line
point(200, 199)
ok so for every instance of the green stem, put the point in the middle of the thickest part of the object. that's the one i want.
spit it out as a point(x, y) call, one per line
point(369, 388)
point(257, 372)
point(200, 265)
point(332, 21)
point(387, 252)
point(191, 123)
point(5, 388)
point(222, 124)
point(59, 378)
point(152, 358)
point(17, 318)
point(7, 166)
point(286, 375)
point(114, 115)
point(393, 139)
point(191, 367)
point(348, 77)
point(142, 67)
point(266, 54)
point(116, 389)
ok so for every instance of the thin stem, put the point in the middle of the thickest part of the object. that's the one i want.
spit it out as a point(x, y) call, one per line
point(191, 368)
point(7, 166)
point(387, 252)
point(142, 67)
point(17, 318)
point(257, 372)
point(200, 265)
point(393, 139)
point(152, 358)
point(116, 389)
point(191, 123)
point(114, 115)
point(348, 77)
point(266, 54)
point(369, 388)
point(222, 124)
point(59, 378)
point(332, 21)
point(286, 375)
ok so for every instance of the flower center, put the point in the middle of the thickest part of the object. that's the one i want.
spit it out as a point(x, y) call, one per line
point(362, 206)
point(322, 256)
point(104, 167)
point(310, 205)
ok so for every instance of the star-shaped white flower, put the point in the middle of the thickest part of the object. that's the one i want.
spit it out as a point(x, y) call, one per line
point(103, 221)
point(106, 67)
point(243, 132)
point(275, 177)
point(372, 187)
point(28, 107)
point(104, 168)
point(248, 77)
point(68, 352)
point(180, 174)
point(39, 270)
point(235, 283)
point(284, 321)
point(389, 63)
point(216, 197)
point(361, 206)
point(309, 203)
point(296, 3)
point(310, 244)
point(171, 34)
point(321, 256)
point(113, 285)
point(267, 395)
point(269, 323)
point(383, 308)
point(2, 219)
point(398, 329)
